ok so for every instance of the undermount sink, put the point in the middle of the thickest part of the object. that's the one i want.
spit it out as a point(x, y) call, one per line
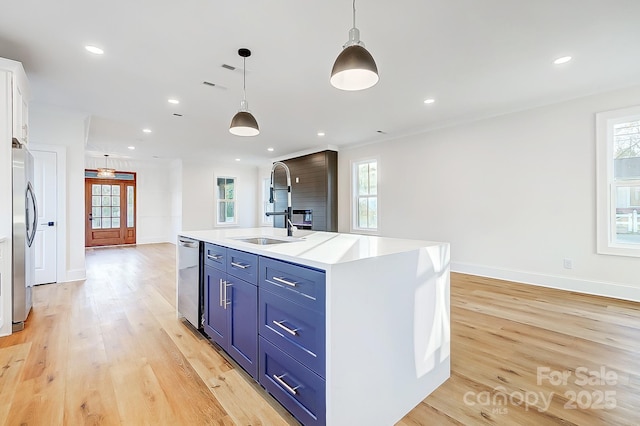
point(263, 241)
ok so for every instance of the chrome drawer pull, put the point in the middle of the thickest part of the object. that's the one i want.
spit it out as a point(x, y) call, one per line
point(293, 332)
point(214, 257)
point(239, 265)
point(220, 287)
point(283, 281)
point(284, 384)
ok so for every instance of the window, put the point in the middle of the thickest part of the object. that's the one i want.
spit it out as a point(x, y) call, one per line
point(365, 199)
point(226, 201)
point(618, 159)
point(266, 205)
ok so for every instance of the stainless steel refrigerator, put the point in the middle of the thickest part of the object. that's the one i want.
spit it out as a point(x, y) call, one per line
point(25, 222)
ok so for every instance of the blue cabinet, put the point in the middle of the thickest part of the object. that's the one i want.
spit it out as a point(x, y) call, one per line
point(292, 337)
point(296, 330)
point(297, 388)
point(269, 316)
point(216, 321)
point(231, 304)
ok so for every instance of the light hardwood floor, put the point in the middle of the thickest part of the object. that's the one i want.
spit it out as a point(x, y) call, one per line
point(109, 350)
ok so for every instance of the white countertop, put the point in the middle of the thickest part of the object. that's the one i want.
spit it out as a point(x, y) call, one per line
point(314, 248)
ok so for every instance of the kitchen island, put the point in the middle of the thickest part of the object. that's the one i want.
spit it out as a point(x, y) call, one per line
point(368, 336)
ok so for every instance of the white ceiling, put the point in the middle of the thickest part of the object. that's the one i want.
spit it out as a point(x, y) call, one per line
point(477, 58)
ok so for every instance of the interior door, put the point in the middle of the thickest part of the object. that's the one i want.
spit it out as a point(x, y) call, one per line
point(44, 176)
point(109, 212)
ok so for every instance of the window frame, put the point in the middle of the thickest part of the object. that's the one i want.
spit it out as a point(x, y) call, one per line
point(355, 196)
point(219, 200)
point(605, 183)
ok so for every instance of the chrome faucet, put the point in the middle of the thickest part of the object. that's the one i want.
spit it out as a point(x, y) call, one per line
point(286, 213)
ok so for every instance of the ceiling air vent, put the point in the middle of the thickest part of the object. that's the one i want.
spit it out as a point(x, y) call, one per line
point(229, 67)
point(217, 86)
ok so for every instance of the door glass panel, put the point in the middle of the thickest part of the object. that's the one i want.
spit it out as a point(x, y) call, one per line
point(106, 212)
point(106, 189)
point(106, 200)
point(106, 222)
point(130, 207)
point(96, 223)
point(96, 212)
point(115, 201)
point(115, 189)
point(115, 211)
point(96, 201)
point(115, 222)
point(96, 189)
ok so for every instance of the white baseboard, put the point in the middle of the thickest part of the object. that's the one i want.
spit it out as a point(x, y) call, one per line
point(152, 240)
point(598, 288)
point(76, 275)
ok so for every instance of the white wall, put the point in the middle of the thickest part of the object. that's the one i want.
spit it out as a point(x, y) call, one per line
point(54, 126)
point(198, 194)
point(514, 195)
point(175, 188)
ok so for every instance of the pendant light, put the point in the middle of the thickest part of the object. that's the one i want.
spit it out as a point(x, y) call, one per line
point(105, 172)
point(244, 123)
point(354, 68)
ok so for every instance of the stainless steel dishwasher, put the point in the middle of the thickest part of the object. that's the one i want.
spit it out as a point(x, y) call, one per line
point(189, 280)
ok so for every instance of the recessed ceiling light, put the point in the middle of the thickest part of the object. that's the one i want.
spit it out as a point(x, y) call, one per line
point(146, 130)
point(429, 101)
point(320, 133)
point(270, 149)
point(237, 159)
point(94, 49)
point(173, 101)
point(131, 147)
point(562, 60)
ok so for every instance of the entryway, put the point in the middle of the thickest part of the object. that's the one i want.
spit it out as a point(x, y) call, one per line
point(110, 209)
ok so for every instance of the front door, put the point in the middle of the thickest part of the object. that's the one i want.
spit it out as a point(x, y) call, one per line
point(110, 211)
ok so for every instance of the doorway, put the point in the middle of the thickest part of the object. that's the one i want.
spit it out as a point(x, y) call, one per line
point(110, 209)
point(45, 166)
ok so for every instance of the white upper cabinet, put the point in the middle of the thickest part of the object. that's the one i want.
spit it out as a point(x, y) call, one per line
point(20, 99)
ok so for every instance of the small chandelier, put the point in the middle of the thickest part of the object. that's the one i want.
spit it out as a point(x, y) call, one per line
point(354, 68)
point(105, 172)
point(244, 123)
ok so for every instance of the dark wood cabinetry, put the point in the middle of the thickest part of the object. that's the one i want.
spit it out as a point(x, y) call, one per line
point(314, 186)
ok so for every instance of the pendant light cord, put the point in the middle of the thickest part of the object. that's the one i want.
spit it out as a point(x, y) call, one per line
point(244, 78)
point(354, 13)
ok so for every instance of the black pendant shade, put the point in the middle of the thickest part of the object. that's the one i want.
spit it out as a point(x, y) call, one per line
point(244, 123)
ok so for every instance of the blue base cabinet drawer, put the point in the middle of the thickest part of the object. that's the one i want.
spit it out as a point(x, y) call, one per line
point(296, 330)
point(300, 284)
point(215, 256)
point(243, 265)
point(297, 388)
